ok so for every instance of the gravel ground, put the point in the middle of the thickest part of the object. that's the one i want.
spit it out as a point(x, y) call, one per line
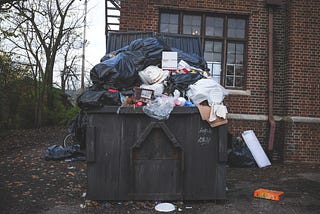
point(30, 184)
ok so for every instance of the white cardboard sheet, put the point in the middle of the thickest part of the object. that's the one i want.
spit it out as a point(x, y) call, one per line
point(169, 60)
point(256, 150)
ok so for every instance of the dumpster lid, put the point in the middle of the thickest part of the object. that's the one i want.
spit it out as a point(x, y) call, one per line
point(186, 43)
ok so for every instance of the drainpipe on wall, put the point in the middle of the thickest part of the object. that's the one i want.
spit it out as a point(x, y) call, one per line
point(270, 86)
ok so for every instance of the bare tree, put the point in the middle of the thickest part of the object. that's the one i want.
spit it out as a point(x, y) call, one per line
point(39, 33)
point(69, 72)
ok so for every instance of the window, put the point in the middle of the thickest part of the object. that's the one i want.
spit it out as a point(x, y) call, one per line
point(224, 42)
point(169, 23)
point(191, 24)
point(213, 56)
point(214, 26)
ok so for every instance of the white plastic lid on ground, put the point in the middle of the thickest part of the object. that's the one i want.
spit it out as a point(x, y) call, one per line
point(165, 207)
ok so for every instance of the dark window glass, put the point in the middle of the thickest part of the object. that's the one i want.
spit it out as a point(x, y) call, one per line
point(235, 71)
point(191, 25)
point(213, 54)
point(236, 28)
point(229, 81)
point(169, 23)
point(214, 26)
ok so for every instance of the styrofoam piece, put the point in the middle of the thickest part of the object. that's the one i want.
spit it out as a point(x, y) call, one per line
point(169, 60)
point(255, 148)
point(165, 207)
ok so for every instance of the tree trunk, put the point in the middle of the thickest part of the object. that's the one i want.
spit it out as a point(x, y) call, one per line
point(63, 83)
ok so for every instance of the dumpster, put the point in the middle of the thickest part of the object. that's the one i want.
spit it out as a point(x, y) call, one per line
point(131, 156)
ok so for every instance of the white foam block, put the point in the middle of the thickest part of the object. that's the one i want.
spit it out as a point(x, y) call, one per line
point(169, 60)
point(255, 148)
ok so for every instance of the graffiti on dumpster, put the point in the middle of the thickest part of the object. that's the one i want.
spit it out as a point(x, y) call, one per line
point(204, 136)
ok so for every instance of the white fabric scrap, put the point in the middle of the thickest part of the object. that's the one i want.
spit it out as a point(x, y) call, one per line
point(218, 110)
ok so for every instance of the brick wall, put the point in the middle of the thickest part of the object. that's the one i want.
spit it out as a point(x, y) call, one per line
point(280, 57)
point(296, 65)
point(236, 127)
point(302, 85)
point(302, 81)
point(302, 142)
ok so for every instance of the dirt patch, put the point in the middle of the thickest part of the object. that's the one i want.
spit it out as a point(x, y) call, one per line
point(29, 184)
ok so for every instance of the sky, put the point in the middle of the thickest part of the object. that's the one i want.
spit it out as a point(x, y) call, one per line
point(96, 46)
point(95, 35)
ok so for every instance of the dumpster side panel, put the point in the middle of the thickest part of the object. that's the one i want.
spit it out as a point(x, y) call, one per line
point(150, 163)
point(103, 172)
point(140, 158)
point(131, 126)
point(200, 160)
point(220, 184)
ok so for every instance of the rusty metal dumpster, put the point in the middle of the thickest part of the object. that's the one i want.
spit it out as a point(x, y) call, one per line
point(131, 156)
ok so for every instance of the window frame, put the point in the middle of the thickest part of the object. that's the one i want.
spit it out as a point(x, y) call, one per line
point(224, 39)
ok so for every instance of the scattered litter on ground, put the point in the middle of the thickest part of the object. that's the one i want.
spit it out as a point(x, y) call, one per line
point(268, 194)
point(57, 152)
point(165, 207)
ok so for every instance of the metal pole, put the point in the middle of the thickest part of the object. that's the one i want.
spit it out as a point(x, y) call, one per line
point(84, 46)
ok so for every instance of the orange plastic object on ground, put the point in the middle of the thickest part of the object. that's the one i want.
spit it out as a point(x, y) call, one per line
point(268, 194)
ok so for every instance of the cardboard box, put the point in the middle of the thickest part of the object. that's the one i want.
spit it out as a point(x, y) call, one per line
point(205, 115)
point(268, 194)
point(143, 94)
point(169, 60)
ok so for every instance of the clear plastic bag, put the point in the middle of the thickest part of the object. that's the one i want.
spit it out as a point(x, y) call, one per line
point(160, 108)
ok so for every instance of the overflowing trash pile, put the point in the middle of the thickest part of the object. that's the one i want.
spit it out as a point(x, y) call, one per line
point(149, 74)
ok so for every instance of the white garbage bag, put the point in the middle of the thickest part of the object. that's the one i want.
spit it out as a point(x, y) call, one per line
point(206, 89)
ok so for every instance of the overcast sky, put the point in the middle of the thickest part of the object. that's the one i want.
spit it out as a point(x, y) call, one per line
point(95, 34)
point(96, 47)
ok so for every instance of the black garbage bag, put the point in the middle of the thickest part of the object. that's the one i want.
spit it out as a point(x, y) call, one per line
point(113, 53)
point(240, 155)
point(151, 48)
point(119, 69)
point(192, 59)
point(119, 72)
point(95, 99)
point(56, 152)
point(181, 82)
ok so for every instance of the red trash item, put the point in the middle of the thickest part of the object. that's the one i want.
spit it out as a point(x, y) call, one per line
point(112, 90)
point(268, 194)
